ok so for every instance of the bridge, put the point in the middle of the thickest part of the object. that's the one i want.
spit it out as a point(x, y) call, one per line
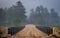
point(28, 31)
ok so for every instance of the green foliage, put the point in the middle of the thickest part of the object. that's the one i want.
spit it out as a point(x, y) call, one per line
point(42, 16)
point(17, 22)
point(16, 11)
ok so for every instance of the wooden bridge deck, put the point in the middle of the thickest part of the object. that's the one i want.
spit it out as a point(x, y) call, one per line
point(30, 31)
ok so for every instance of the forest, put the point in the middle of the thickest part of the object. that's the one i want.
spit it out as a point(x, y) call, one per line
point(15, 16)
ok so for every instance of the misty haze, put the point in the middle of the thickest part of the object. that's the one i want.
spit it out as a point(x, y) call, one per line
point(20, 18)
point(40, 12)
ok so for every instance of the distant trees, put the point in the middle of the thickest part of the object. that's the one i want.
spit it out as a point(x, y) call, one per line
point(19, 11)
point(43, 16)
point(13, 15)
point(16, 15)
point(31, 18)
point(16, 11)
point(17, 22)
point(54, 17)
point(2, 16)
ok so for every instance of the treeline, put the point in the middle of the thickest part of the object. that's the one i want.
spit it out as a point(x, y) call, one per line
point(15, 15)
point(43, 16)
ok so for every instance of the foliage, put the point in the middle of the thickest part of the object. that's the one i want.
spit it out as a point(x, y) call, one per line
point(41, 15)
point(16, 11)
point(17, 22)
point(2, 16)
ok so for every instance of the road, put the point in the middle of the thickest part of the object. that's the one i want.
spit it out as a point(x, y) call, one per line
point(30, 31)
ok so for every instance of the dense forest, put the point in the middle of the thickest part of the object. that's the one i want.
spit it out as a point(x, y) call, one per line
point(15, 16)
point(42, 16)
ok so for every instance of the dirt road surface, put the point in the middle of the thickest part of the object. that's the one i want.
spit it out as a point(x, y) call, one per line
point(30, 31)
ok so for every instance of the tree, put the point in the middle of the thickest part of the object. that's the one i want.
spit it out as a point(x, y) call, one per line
point(54, 17)
point(41, 9)
point(42, 16)
point(38, 15)
point(16, 11)
point(2, 17)
point(37, 9)
point(46, 16)
point(20, 11)
point(32, 14)
point(17, 22)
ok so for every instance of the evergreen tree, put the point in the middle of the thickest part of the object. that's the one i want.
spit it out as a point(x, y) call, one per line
point(2, 17)
point(46, 16)
point(38, 15)
point(16, 11)
point(42, 14)
point(20, 11)
point(54, 17)
point(41, 9)
point(32, 16)
point(37, 9)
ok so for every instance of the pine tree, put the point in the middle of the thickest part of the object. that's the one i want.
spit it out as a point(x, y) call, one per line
point(2, 17)
point(20, 11)
point(32, 16)
point(37, 9)
point(46, 16)
point(16, 12)
point(54, 17)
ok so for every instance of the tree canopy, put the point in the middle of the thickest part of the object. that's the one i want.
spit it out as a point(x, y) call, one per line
point(42, 15)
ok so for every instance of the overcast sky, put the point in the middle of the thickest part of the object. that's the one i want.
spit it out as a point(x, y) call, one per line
point(29, 4)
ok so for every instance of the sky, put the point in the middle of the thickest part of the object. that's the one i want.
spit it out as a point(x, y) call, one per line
point(29, 4)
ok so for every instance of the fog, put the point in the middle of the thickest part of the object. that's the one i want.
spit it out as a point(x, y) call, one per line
point(29, 4)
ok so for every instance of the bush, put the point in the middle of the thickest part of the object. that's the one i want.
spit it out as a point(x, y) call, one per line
point(17, 22)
